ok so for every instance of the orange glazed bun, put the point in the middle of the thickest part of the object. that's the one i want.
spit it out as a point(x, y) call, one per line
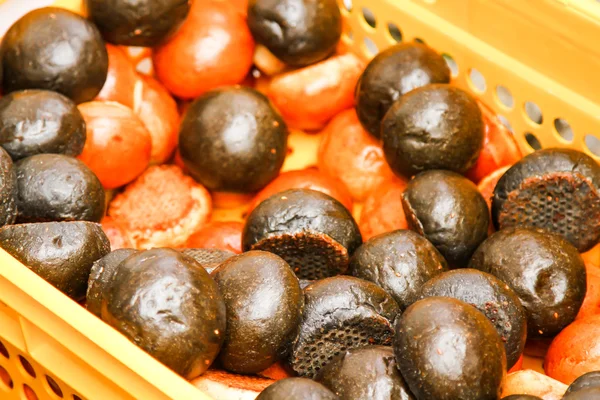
point(158, 111)
point(118, 145)
point(224, 235)
point(382, 210)
point(309, 97)
point(212, 48)
point(500, 148)
point(309, 178)
point(121, 79)
point(574, 351)
point(348, 153)
point(591, 302)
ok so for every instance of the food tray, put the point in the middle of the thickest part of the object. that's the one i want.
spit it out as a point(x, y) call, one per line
point(530, 61)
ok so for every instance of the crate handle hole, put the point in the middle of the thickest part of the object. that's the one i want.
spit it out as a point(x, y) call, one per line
point(54, 386)
point(348, 5)
point(533, 141)
point(534, 112)
point(563, 128)
point(75, 397)
point(5, 379)
point(4, 351)
point(505, 97)
point(29, 393)
point(451, 64)
point(505, 122)
point(419, 40)
point(372, 48)
point(394, 31)
point(593, 144)
point(477, 80)
point(369, 17)
point(27, 366)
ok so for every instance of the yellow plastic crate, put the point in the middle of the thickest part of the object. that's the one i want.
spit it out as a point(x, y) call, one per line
point(532, 61)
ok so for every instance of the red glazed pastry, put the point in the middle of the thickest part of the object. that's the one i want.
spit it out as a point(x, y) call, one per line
point(592, 256)
point(219, 235)
point(486, 188)
point(347, 152)
point(382, 210)
point(518, 365)
point(499, 147)
point(118, 145)
point(121, 79)
point(309, 178)
point(309, 97)
point(575, 351)
point(212, 48)
point(162, 208)
point(591, 302)
point(276, 371)
point(158, 111)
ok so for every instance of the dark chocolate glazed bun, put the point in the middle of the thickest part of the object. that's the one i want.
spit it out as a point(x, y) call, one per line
point(264, 306)
point(448, 350)
point(341, 313)
point(449, 211)
point(554, 189)
point(494, 298)
point(393, 73)
point(296, 389)
point(543, 269)
point(368, 372)
point(231, 139)
point(312, 231)
point(298, 32)
point(54, 49)
point(400, 262)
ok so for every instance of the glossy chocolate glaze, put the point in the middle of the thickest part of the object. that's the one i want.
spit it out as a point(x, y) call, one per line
point(494, 298)
point(296, 389)
point(341, 313)
point(544, 270)
point(264, 308)
point(8, 189)
point(137, 22)
point(232, 139)
point(365, 373)
point(448, 350)
point(62, 253)
point(55, 49)
point(434, 127)
point(298, 32)
point(40, 121)
point(584, 394)
point(101, 278)
point(393, 73)
point(55, 187)
point(324, 227)
point(589, 380)
point(449, 211)
point(400, 262)
point(554, 189)
point(167, 304)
